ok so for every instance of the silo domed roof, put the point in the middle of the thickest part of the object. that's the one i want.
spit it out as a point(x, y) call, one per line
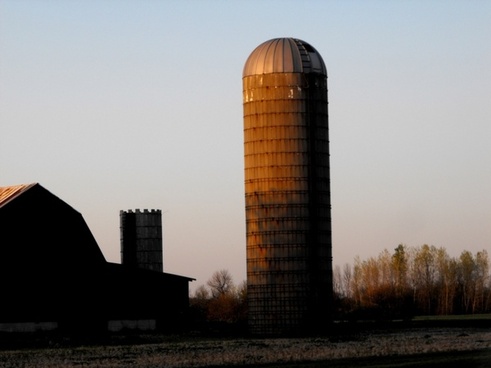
point(284, 55)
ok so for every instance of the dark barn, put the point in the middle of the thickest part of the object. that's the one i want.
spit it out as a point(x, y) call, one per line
point(54, 275)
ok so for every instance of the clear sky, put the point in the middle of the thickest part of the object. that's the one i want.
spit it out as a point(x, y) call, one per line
point(115, 105)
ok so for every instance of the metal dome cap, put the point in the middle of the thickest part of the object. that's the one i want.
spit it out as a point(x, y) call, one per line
point(284, 55)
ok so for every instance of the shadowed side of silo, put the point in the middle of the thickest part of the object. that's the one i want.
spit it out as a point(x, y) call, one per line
point(287, 188)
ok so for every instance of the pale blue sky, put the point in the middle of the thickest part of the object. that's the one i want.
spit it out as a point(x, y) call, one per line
point(117, 105)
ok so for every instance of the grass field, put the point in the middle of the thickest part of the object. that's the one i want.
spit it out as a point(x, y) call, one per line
point(367, 347)
point(467, 359)
point(93, 357)
point(455, 317)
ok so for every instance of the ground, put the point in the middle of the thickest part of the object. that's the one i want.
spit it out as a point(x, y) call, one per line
point(411, 347)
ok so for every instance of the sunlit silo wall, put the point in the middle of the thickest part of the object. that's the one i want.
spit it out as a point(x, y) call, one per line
point(287, 188)
point(141, 239)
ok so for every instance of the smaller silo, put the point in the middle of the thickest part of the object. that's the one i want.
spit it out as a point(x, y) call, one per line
point(141, 239)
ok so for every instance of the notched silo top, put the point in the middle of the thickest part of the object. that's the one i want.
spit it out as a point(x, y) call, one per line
point(284, 55)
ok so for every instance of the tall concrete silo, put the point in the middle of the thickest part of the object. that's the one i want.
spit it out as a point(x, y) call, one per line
point(141, 239)
point(287, 188)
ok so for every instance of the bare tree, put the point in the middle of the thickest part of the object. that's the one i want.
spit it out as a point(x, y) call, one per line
point(201, 293)
point(424, 274)
point(220, 283)
point(400, 269)
point(337, 284)
point(242, 291)
point(482, 277)
point(384, 262)
point(346, 282)
point(467, 279)
point(446, 268)
point(357, 282)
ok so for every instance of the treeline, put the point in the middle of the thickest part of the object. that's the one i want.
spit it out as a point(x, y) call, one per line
point(406, 282)
point(220, 303)
point(411, 281)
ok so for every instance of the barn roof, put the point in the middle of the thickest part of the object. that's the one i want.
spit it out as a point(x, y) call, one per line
point(11, 192)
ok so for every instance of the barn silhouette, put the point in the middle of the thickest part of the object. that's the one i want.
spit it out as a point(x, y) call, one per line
point(53, 274)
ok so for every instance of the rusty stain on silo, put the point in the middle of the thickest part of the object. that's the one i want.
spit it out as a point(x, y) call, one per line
point(287, 188)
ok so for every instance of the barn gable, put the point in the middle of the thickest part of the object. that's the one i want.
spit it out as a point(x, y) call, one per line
point(52, 269)
point(40, 230)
